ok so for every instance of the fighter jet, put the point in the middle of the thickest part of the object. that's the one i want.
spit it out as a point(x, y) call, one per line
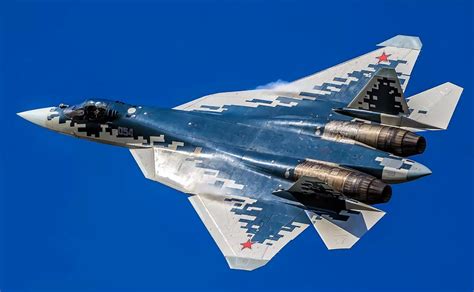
point(260, 166)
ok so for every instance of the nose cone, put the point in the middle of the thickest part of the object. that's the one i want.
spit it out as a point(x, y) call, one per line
point(37, 116)
point(418, 170)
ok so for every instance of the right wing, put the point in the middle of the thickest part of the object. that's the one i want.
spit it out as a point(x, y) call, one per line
point(249, 232)
point(340, 83)
point(246, 211)
point(236, 204)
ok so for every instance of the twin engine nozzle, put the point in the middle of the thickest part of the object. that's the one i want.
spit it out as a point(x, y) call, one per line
point(353, 184)
point(394, 140)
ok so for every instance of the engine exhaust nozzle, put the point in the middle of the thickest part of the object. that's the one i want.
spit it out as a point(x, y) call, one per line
point(390, 139)
point(353, 184)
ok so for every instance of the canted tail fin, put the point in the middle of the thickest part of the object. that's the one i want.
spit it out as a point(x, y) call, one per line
point(435, 107)
point(382, 94)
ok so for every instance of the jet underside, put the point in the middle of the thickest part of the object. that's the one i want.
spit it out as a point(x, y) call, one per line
point(262, 165)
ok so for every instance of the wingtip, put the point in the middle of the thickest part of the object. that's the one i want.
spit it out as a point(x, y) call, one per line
point(403, 41)
point(454, 86)
point(245, 264)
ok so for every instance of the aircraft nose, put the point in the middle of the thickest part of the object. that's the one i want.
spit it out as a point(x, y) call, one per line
point(418, 170)
point(37, 116)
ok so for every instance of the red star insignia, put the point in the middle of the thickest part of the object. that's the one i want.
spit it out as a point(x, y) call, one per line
point(383, 57)
point(247, 244)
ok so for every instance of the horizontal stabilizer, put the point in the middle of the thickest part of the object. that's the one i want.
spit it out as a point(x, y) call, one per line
point(343, 229)
point(435, 106)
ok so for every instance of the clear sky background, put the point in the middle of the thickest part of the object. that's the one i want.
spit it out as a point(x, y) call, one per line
point(79, 216)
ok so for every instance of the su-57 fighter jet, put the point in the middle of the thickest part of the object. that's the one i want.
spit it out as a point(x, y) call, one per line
point(260, 166)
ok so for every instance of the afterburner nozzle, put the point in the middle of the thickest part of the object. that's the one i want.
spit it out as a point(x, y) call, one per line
point(394, 140)
point(412, 144)
point(351, 183)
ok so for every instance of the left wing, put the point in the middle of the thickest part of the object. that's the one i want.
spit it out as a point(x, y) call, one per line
point(340, 83)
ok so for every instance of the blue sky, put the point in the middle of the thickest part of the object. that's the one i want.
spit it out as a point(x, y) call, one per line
point(80, 216)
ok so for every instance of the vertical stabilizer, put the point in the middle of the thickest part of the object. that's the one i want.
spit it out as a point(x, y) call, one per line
point(382, 94)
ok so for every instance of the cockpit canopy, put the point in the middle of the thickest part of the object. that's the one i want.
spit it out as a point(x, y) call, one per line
point(90, 110)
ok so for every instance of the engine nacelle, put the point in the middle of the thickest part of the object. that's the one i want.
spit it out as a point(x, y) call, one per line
point(353, 184)
point(394, 140)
